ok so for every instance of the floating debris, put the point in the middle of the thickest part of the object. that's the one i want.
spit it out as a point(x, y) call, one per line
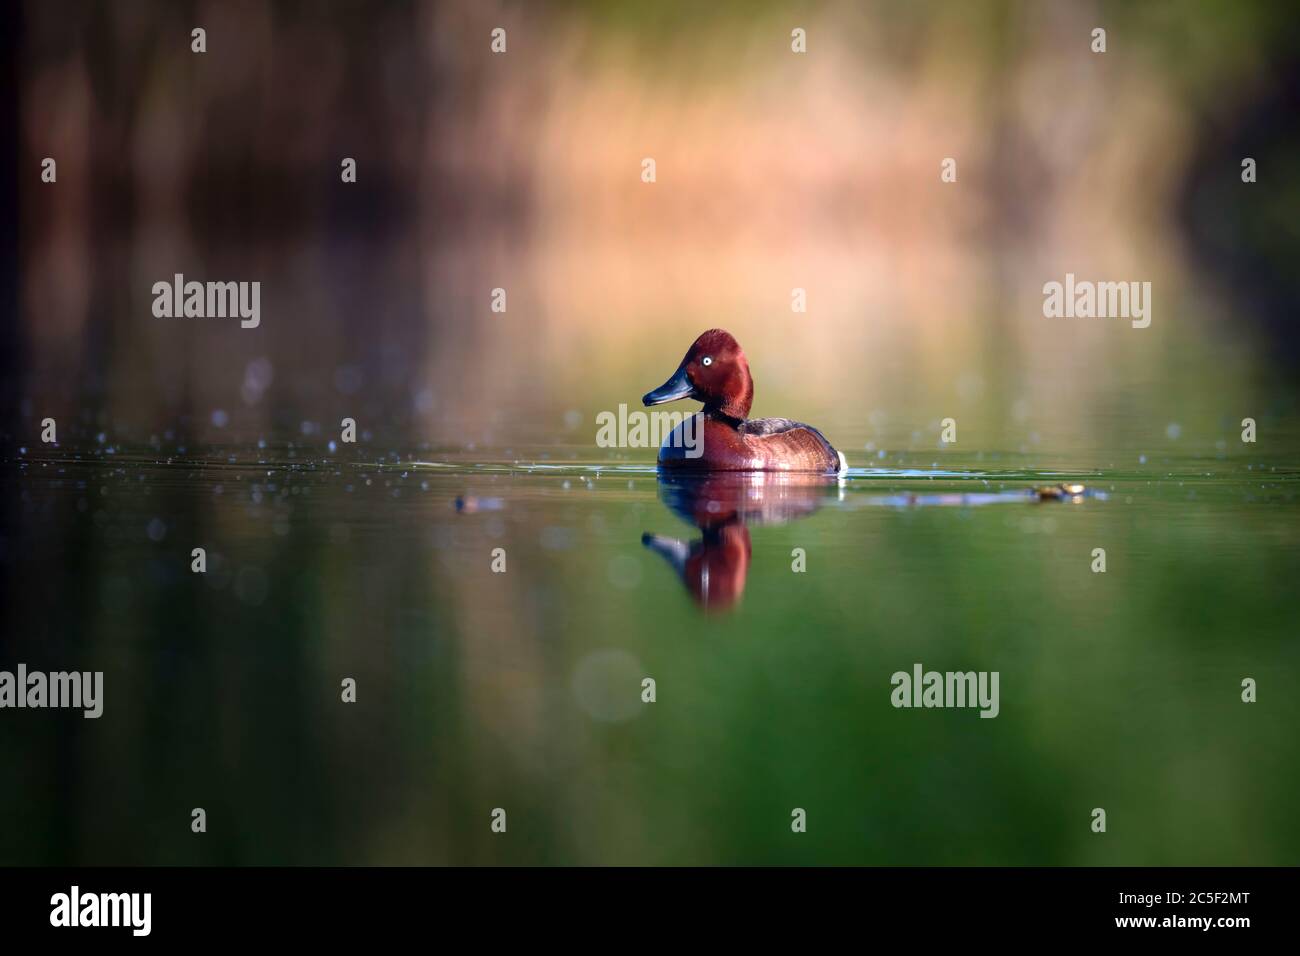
point(1066, 491)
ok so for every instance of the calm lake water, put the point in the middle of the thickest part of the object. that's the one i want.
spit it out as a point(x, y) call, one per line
point(522, 690)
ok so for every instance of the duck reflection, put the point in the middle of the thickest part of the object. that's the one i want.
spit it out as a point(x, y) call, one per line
point(722, 506)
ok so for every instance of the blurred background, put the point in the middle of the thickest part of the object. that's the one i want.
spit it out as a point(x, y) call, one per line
point(522, 171)
point(774, 171)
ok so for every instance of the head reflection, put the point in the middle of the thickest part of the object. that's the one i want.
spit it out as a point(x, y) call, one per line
point(722, 506)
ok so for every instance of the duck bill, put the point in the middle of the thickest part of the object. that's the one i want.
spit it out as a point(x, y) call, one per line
point(672, 550)
point(679, 386)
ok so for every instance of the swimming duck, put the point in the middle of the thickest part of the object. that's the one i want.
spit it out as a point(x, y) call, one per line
point(715, 372)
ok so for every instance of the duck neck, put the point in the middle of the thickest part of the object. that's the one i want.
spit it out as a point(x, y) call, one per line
point(714, 413)
point(735, 404)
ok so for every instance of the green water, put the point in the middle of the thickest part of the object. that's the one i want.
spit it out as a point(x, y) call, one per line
point(522, 689)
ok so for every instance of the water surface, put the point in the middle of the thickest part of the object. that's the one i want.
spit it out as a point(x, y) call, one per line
point(523, 690)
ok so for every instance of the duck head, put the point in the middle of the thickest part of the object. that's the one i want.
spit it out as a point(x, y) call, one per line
point(714, 568)
point(714, 372)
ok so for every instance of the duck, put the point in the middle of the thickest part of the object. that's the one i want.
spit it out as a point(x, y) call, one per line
point(721, 437)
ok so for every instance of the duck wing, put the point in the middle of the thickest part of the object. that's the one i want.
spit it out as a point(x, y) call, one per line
point(797, 446)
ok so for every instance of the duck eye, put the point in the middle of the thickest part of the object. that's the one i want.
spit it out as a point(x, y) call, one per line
point(706, 360)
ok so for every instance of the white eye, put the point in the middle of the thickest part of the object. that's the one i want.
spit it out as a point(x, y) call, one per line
point(706, 361)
